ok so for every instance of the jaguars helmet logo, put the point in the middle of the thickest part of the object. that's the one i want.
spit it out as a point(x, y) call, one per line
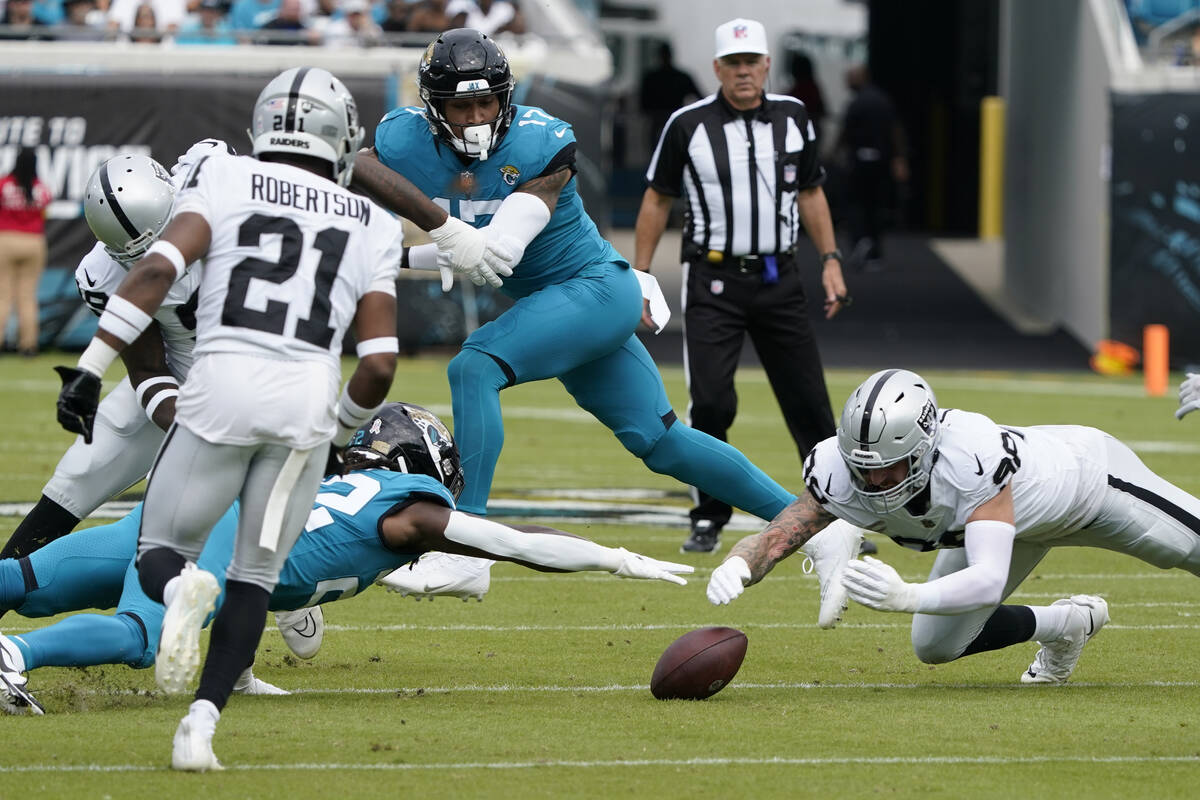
point(510, 174)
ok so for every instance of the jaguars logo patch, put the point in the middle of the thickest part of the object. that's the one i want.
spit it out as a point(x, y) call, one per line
point(510, 174)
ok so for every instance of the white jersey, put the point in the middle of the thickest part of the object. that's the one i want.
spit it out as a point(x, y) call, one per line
point(1058, 474)
point(98, 277)
point(291, 255)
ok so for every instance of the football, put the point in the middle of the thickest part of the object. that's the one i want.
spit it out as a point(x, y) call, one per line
point(698, 664)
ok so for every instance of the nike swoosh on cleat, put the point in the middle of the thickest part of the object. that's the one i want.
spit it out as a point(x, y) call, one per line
point(1031, 673)
point(1091, 624)
point(980, 464)
point(91, 281)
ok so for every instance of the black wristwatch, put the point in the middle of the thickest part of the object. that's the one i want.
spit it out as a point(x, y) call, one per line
point(832, 254)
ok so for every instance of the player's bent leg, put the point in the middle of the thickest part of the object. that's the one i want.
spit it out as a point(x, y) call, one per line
point(718, 469)
point(84, 570)
point(476, 379)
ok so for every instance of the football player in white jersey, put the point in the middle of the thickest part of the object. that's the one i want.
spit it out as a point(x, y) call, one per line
point(127, 203)
point(992, 500)
point(290, 259)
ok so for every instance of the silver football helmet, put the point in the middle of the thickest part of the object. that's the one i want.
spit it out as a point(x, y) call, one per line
point(127, 204)
point(892, 416)
point(308, 112)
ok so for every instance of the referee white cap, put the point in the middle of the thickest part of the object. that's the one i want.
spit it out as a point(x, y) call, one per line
point(741, 36)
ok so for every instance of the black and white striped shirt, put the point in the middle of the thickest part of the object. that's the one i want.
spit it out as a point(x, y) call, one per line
point(741, 170)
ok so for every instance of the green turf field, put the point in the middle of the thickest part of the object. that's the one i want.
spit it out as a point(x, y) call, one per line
point(541, 690)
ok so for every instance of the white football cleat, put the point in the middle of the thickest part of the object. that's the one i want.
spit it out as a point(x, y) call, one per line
point(191, 749)
point(247, 683)
point(1055, 662)
point(441, 574)
point(14, 696)
point(303, 630)
point(829, 551)
point(179, 644)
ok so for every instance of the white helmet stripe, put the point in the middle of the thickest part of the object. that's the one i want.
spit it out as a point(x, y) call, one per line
point(117, 211)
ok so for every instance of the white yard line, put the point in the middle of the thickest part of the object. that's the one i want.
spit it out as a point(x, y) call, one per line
point(855, 760)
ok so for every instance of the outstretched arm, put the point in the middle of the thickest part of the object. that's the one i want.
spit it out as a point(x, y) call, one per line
point(394, 192)
point(425, 526)
point(790, 529)
point(753, 557)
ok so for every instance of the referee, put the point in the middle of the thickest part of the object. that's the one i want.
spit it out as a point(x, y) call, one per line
point(748, 162)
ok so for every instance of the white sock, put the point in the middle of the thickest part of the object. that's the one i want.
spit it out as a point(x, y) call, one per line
point(205, 708)
point(1051, 621)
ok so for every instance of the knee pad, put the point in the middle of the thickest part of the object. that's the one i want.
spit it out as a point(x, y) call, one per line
point(145, 658)
point(474, 366)
point(660, 453)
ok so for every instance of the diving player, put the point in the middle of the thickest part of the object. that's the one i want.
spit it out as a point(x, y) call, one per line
point(395, 504)
point(992, 500)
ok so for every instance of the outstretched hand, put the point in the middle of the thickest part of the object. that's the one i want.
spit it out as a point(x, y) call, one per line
point(467, 251)
point(877, 585)
point(728, 581)
point(635, 565)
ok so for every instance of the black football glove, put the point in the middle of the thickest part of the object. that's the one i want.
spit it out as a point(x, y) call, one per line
point(77, 401)
point(335, 462)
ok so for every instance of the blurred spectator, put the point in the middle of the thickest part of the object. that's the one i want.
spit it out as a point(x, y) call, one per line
point(165, 16)
point(83, 22)
point(872, 142)
point(664, 90)
point(805, 89)
point(489, 17)
point(396, 20)
point(18, 16)
point(23, 202)
point(354, 27)
point(210, 26)
point(249, 15)
point(145, 26)
point(292, 23)
point(50, 12)
point(428, 16)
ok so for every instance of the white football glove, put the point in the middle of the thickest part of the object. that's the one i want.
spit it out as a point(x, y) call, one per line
point(202, 148)
point(877, 585)
point(469, 253)
point(728, 580)
point(1189, 395)
point(634, 565)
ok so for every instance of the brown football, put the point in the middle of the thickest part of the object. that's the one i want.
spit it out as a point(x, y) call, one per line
point(698, 664)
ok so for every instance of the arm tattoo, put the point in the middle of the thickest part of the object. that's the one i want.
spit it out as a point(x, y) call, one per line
point(547, 188)
point(793, 526)
point(394, 192)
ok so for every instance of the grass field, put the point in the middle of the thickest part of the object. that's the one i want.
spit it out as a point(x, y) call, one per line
point(541, 690)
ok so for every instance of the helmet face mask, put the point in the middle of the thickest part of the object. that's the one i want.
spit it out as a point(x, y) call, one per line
point(127, 204)
point(409, 439)
point(306, 111)
point(891, 418)
point(464, 63)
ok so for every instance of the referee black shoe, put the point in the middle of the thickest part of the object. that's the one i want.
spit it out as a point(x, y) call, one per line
point(705, 538)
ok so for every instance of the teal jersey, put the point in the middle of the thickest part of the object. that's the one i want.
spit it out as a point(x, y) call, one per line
point(536, 144)
point(341, 552)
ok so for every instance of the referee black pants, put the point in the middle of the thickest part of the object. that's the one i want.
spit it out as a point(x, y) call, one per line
point(720, 306)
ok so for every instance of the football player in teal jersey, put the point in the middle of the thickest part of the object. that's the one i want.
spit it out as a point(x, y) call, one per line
point(396, 502)
point(510, 170)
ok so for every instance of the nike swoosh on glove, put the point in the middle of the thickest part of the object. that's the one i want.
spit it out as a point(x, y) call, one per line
point(728, 580)
point(635, 565)
point(877, 585)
